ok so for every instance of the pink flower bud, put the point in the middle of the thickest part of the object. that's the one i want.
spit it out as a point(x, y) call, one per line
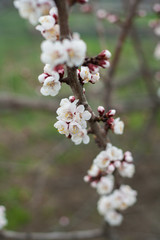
point(101, 110)
point(82, 1)
point(110, 168)
point(105, 54)
point(86, 178)
point(93, 68)
point(60, 70)
point(72, 99)
point(110, 122)
point(111, 113)
point(104, 63)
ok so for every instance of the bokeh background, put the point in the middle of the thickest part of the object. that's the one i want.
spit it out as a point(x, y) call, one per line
point(41, 172)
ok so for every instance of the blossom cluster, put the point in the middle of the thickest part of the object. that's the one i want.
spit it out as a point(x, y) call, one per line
point(3, 220)
point(72, 120)
point(71, 52)
point(109, 160)
point(101, 177)
point(120, 199)
point(33, 9)
point(48, 25)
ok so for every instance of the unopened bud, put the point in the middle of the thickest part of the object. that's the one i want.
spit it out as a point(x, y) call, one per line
point(104, 63)
point(54, 13)
point(72, 99)
point(128, 156)
point(110, 122)
point(93, 68)
point(60, 70)
point(111, 168)
point(111, 113)
point(86, 178)
point(105, 54)
point(101, 110)
point(82, 1)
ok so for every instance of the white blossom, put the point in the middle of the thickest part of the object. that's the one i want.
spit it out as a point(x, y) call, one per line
point(105, 185)
point(50, 34)
point(120, 199)
point(95, 77)
point(114, 152)
point(118, 126)
point(67, 110)
point(124, 197)
point(94, 170)
point(76, 117)
point(51, 86)
point(113, 218)
point(48, 28)
point(103, 159)
point(33, 9)
point(76, 51)
point(105, 203)
point(128, 156)
point(78, 134)
point(85, 74)
point(62, 127)
point(50, 81)
point(82, 116)
point(130, 195)
point(53, 53)
point(3, 220)
point(126, 170)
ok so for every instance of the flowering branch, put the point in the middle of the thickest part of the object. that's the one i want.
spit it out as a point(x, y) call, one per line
point(72, 75)
point(63, 52)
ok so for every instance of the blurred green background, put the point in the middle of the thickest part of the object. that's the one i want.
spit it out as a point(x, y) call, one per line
point(41, 172)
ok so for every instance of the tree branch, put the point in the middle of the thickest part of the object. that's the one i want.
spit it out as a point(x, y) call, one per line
point(122, 37)
point(8, 101)
point(72, 75)
point(86, 234)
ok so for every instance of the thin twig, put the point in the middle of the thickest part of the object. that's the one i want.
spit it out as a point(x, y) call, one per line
point(116, 56)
